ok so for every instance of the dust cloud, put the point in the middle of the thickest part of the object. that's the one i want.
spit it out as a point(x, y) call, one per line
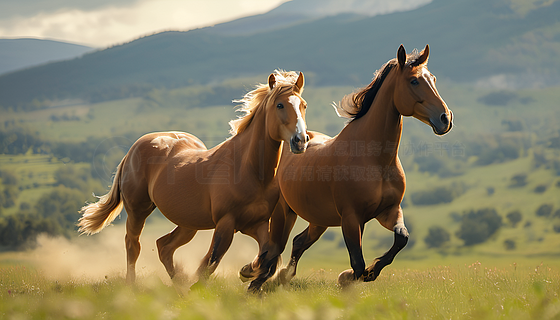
point(93, 258)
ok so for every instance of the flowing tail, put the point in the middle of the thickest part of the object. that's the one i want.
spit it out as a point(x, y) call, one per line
point(98, 215)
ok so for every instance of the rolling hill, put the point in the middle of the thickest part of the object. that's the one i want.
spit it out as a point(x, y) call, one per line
point(510, 42)
point(16, 54)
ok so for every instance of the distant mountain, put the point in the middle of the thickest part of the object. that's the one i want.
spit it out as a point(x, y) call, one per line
point(18, 54)
point(298, 11)
point(512, 43)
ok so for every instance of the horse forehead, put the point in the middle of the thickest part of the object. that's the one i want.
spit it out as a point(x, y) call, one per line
point(423, 72)
point(427, 75)
point(295, 101)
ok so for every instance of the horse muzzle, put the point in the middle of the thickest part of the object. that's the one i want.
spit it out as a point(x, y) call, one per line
point(298, 143)
point(442, 124)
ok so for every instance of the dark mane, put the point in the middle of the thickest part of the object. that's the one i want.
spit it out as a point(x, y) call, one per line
point(357, 104)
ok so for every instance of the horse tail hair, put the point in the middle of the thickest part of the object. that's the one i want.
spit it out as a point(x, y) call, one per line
point(98, 215)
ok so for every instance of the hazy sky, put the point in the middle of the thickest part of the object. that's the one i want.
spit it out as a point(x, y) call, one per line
point(101, 23)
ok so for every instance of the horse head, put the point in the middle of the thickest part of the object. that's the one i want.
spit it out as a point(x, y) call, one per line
point(416, 93)
point(285, 110)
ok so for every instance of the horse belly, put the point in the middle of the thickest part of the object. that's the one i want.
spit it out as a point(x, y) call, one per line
point(325, 216)
point(312, 202)
point(187, 212)
point(183, 201)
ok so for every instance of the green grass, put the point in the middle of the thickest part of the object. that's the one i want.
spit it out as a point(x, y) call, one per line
point(473, 291)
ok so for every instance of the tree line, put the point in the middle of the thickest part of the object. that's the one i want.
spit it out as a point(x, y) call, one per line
point(55, 213)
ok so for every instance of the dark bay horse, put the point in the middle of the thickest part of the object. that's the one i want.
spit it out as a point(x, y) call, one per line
point(356, 176)
point(228, 188)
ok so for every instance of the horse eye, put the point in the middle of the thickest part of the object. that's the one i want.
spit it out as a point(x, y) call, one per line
point(414, 82)
point(280, 106)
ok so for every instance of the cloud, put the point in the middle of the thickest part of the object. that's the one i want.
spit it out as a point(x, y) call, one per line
point(29, 8)
point(123, 21)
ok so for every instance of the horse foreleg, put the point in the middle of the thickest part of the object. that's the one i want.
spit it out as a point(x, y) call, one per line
point(168, 244)
point(278, 231)
point(258, 232)
point(395, 222)
point(264, 265)
point(301, 243)
point(352, 230)
point(221, 240)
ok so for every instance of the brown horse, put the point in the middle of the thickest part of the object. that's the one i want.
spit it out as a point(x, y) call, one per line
point(357, 176)
point(229, 188)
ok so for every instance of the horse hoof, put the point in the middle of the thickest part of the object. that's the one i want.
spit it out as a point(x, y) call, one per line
point(345, 278)
point(246, 273)
point(370, 274)
point(244, 278)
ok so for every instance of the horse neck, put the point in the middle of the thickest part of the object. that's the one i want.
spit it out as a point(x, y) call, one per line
point(258, 153)
point(381, 127)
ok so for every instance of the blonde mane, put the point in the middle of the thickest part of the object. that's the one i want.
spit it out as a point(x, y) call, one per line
point(259, 97)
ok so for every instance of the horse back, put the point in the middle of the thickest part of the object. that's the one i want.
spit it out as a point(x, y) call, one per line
point(151, 154)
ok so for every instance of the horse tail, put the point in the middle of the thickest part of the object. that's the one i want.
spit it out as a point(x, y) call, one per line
point(98, 215)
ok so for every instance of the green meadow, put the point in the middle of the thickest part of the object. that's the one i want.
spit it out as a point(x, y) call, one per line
point(473, 291)
point(503, 154)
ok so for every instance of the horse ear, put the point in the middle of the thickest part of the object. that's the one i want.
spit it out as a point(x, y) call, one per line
point(271, 81)
point(423, 58)
point(300, 82)
point(401, 56)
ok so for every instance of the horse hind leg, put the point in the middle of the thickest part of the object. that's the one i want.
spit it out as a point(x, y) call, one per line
point(134, 225)
point(221, 241)
point(401, 239)
point(168, 244)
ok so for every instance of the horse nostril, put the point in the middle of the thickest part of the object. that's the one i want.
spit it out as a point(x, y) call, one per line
point(444, 119)
point(306, 138)
point(296, 139)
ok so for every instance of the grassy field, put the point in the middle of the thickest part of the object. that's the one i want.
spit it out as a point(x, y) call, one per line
point(473, 291)
point(83, 278)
